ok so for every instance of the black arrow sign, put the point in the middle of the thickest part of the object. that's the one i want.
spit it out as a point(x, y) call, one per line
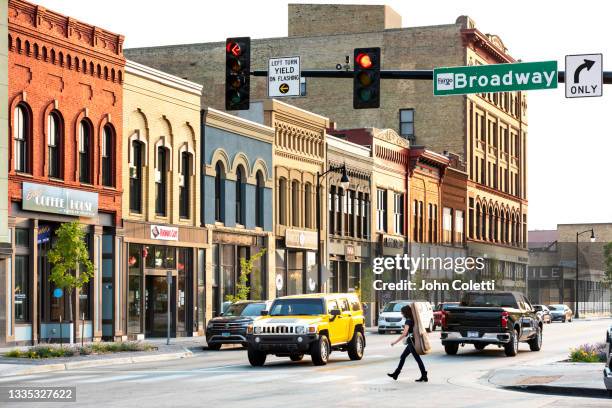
point(587, 64)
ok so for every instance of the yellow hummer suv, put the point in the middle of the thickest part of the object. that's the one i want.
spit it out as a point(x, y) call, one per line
point(312, 324)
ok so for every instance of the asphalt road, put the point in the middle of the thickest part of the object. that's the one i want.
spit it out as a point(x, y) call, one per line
point(225, 378)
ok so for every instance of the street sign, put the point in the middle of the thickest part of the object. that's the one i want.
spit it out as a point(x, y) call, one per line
point(283, 77)
point(58, 292)
point(521, 76)
point(583, 75)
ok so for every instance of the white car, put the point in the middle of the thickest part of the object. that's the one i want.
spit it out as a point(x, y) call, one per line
point(391, 319)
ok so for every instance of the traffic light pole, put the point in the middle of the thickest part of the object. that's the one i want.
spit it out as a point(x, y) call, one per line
point(416, 74)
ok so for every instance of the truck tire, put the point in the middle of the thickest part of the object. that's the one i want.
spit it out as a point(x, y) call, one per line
point(480, 346)
point(355, 346)
point(451, 349)
point(296, 357)
point(214, 346)
point(319, 351)
point(431, 327)
point(511, 349)
point(381, 331)
point(256, 358)
point(535, 344)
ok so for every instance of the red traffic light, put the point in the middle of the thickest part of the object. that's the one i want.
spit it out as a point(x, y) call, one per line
point(233, 48)
point(364, 60)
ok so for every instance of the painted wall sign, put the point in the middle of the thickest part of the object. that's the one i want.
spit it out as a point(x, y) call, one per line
point(301, 239)
point(164, 233)
point(58, 200)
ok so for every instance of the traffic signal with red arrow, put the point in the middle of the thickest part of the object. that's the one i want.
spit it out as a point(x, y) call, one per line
point(366, 80)
point(237, 73)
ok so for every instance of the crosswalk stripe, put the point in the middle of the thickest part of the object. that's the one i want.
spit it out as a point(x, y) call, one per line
point(264, 378)
point(215, 378)
point(375, 381)
point(322, 379)
point(21, 378)
point(158, 378)
point(103, 379)
point(74, 378)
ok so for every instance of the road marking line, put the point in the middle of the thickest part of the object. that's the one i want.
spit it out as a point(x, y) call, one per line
point(374, 356)
point(19, 379)
point(112, 378)
point(215, 378)
point(159, 378)
point(265, 378)
point(74, 378)
point(324, 378)
point(375, 381)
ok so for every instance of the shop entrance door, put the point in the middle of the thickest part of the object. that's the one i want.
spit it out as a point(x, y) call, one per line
point(156, 306)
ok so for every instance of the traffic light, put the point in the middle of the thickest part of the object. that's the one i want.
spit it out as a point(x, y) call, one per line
point(366, 80)
point(237, 73)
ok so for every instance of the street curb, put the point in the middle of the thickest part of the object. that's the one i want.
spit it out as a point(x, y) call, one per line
point(98, 363)
point(556, 390)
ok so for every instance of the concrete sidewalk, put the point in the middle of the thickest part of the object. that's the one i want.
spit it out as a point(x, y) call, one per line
point(179, 348)
point(572, 379)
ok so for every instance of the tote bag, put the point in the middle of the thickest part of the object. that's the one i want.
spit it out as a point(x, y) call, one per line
point(421, 341)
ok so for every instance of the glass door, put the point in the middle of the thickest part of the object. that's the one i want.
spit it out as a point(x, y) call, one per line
point(156, 304)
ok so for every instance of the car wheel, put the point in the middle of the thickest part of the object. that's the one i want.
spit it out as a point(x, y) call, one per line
point(429, 328)
point(296, 357)
point(256, 358)
point(319, 351)
point(535, 344)
point(511, 349)
point(451, 349)
point(480, 346)
point(215, 346)
point(381, 331)
point(355, 346)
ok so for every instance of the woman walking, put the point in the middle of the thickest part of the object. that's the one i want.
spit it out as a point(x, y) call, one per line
point(407, 334)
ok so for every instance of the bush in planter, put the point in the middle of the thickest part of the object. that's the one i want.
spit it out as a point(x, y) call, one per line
point(589, 353)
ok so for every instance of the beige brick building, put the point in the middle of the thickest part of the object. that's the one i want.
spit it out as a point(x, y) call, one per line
point(487, 131)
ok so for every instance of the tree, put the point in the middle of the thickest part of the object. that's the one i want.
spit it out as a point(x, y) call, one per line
point(69, 254)
point(242, 287)
point(608, 263)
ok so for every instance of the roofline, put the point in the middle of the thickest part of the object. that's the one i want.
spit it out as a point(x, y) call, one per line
point(163, 78)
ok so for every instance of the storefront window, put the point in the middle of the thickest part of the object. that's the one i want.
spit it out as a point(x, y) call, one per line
point(281, 273)
point(84, 297)
point(256, 277)
point(228, 267)
point(159, 256)
point(312, 273)
point(333, 279)
point(184, 273)
point(22, 288)
point(353, 276)
point(295, 265)
point(134, 289)
point(216, 300)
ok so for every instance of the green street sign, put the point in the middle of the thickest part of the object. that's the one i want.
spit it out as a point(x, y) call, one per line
point(521, 76)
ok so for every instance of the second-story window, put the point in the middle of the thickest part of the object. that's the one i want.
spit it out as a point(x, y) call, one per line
point(447, 225)
point(85, 146)
point(184, 187)
point(136, 178)
point(381, 210)
point(54, 142)
point(308, 205)
point(240, 192)
point(332, 209)
point(407, 123)
point(219, 193)
point(295, 203)
point(161, 181)
point(282, 201)
point(259, 200)
point(108, 148)
point(398, 213)
point(22, 126)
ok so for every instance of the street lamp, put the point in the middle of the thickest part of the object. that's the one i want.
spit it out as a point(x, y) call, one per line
point(344, 183)
point(576, 284)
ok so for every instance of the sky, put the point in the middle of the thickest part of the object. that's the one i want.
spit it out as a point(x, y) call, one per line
point(569, 140)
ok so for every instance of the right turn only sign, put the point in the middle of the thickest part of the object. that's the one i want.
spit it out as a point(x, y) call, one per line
point(583, 75)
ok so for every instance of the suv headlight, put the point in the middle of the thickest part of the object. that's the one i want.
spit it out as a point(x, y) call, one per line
point(381, 319)
point(300, 330)
point(257, 329)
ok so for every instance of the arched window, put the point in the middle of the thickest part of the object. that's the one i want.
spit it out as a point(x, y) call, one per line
point(282, 201)
point(136, 177)
point(308, 205)
point(55, 142)
point(295, 203)
point(219, 193)
point(161, 181)
point(259, 200)
point(478, 221)
point(185, 185)
point(85, 146)
point(240, 195)
point(108, 150)
point(22, 129)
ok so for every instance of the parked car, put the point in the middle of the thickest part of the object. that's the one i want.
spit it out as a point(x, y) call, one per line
point(561, 312)
point(314, 324)
point(391, 319)
point(608, 367)
point(500, 318)
point(231, 326)
point(438, 312)
point(544, 312)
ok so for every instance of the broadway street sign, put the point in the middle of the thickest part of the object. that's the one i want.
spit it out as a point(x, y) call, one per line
point(521, 76)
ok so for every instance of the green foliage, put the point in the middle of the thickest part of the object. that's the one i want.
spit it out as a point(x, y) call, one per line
point(68, 253)
point(589, 353)
point(246, 267)
point(608, 263)
point(53, 351)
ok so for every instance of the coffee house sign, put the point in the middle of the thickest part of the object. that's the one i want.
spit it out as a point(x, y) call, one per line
point(57, 200)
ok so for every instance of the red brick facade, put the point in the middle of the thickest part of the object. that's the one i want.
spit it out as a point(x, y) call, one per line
point(58, 64)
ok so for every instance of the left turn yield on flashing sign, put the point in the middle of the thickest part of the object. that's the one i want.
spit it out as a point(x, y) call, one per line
point(583, 75)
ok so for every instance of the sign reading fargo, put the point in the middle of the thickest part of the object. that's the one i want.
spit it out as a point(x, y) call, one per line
point(520, 76)
point(57, 200)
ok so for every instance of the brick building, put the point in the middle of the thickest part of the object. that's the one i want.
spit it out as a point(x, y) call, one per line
point(487, 131)
point(65, 127)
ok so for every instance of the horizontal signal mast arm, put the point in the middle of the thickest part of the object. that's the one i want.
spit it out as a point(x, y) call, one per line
point(423, 74)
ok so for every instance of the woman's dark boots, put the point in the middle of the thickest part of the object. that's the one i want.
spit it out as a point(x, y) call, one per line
point(393, 375)
point(423, 377)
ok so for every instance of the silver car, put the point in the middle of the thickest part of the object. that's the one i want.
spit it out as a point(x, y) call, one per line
point(607, 373)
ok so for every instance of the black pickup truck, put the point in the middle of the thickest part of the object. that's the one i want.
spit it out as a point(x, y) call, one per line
point(500, 318)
